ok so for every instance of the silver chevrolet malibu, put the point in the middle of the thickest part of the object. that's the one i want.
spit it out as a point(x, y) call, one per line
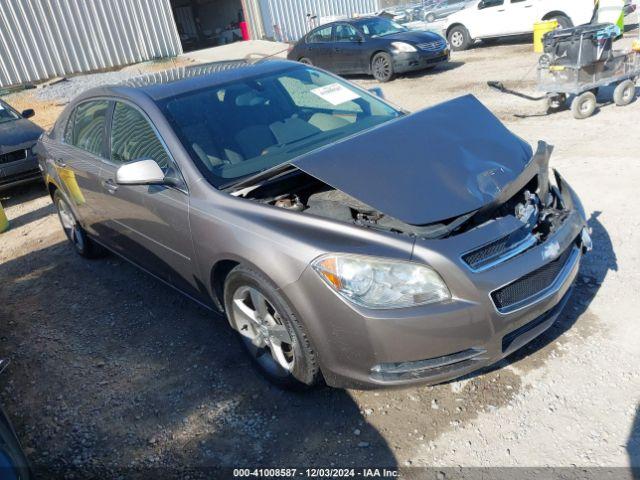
point(347, 241)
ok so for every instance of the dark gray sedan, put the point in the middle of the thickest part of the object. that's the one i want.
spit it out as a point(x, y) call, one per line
point(370, 45)
point(18, 135)
point(344, 239)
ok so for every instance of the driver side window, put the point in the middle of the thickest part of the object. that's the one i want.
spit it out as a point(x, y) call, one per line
point(133, 138)
point(322, 35)
point(491, 3)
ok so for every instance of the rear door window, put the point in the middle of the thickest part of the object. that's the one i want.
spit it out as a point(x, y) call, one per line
point(321, 35)
point(89, 122)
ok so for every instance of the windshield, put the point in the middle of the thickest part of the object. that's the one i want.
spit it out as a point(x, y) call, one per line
point(380, 27)
point(7, 114)
point(242, 128)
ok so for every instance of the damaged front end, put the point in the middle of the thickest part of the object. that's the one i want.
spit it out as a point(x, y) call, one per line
point(541, 206)
point(536, 199)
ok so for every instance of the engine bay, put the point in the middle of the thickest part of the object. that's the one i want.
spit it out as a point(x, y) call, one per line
point(538, 206)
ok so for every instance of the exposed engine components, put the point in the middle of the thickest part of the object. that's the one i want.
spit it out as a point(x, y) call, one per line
point(529, 211)
point(289, 202)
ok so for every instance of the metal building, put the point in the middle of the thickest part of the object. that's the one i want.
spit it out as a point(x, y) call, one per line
point(214, 22)
point(41, 39)
point(288, 20)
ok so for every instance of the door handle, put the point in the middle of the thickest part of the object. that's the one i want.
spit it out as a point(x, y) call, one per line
point(110, 186)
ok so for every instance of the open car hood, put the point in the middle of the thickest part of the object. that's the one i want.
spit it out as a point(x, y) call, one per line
point(427, 167)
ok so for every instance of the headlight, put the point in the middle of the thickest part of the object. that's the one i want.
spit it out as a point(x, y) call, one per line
point(380, 283)
point(402, 47)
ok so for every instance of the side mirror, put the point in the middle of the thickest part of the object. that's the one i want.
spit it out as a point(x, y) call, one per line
point(28, 113)
point(142, 172)
point(377, 91)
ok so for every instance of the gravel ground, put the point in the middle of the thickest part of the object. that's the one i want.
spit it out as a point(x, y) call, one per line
point(112, 370)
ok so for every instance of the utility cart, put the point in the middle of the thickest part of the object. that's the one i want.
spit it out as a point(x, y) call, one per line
point(576, 63)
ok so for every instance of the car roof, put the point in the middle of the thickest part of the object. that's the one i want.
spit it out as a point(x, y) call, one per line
point(352, 21)
point(176, 81)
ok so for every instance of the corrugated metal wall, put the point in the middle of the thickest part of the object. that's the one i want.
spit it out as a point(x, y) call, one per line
point(286, 20)
point(40, 39)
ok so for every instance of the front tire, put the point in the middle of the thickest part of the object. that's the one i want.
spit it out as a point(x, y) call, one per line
point(382, 67)
point(306, 61)
point(431, 18)
point(459, 38)
point(81, 242)
point(271, 333)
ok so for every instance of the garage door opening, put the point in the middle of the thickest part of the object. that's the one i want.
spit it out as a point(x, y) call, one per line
point(209, 23)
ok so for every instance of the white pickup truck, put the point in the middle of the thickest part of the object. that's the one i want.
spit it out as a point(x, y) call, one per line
point(487, 19)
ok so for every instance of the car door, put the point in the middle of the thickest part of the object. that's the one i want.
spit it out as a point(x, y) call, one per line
point(523, 14)
point(149, 224)
point(491, 19)
point(349, 49)
point(320, 47)
point(78, 159)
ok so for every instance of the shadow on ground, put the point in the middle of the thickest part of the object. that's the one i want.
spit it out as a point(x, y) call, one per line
point(22, 193)
point(451, 65)
point(112, 370)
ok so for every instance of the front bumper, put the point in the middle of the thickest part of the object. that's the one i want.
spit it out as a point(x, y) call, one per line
point(20, 171)
point(364, 348)
point(408, 62)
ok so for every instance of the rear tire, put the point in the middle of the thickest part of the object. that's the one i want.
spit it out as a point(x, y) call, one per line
point(624, 93)
point(459, 38)
point(382, 67)
point(81, 242)
point(306, 61)
point(583, 105)
point(430, 18)
point(270, 332)
point(563, 21)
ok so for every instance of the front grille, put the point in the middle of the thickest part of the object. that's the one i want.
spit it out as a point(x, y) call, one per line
point(531, 284)
point(486, 255)
point(434, 46)
point(13, 156)
point(512, 337)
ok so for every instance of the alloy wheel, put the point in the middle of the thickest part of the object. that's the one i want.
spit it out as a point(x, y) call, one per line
point(381, 67)
point(457, 39)
point(70, 225)
point(261, 328)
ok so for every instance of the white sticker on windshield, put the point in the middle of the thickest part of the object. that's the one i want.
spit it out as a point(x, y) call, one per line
point(335, 94)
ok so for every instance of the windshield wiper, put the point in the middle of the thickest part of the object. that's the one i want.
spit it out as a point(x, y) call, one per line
point(247, 184)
